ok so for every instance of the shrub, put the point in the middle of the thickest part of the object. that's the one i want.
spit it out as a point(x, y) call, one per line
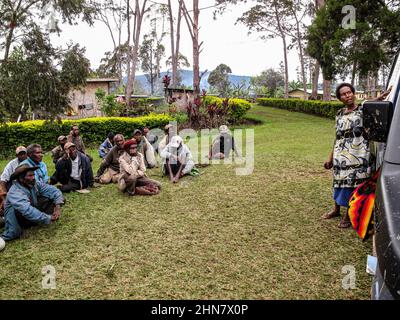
point(320, 108)
point(93, 130)
point(108, 103)
point(237, 108)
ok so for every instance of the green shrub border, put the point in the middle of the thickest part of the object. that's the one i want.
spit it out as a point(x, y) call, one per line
point(93, 130)
point(320, 108)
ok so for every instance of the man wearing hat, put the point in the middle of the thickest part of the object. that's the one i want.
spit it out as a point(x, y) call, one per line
point(177, 159)
point(5, 181)
point(73, 170)
point(133, 177)
point(29, 202)
point(222, 145)
point(58, 152)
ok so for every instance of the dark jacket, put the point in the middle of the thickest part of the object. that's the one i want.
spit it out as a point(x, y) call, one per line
point(64, 169)
point(111, 161)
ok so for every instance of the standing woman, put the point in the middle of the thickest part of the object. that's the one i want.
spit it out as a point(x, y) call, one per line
point(351, 158)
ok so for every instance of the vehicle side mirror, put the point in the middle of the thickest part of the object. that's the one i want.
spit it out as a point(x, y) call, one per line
point(377, 116)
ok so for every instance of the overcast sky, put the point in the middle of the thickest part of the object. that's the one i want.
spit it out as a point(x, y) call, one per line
point(224, 42)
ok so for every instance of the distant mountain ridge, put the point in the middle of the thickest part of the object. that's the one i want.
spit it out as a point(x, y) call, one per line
point(187, 80)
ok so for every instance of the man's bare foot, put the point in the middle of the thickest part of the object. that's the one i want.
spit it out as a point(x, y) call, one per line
point(331, 214)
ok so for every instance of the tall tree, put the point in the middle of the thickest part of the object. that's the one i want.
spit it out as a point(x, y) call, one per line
point(181, 61)
point(141, 8)
point(175, 35)
point(39, 77)
point(270, 18)
point(219, 79)
point(315, 72)
point(193, 27)
point(268, 82)
point(298, 10)
point(20, 16)
point(150, 54)
point(113, 15)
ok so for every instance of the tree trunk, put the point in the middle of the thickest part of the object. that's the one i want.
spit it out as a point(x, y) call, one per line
point(177, 43)
point(301, 55)
point(196, 49)
point(327, 90)
point(353, 73)
point(8, 42)
point(286, 68)
point(172, 34)
point(139, 13)
point(128, 42)
point(283, 37)
point(314, 93)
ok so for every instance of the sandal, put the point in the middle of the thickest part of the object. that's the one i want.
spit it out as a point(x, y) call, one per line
point(344, 223)
point(330, 215)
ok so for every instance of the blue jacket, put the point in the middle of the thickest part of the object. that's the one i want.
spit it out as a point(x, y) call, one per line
point(41, 174)
point(25, 201)
point(105, 148)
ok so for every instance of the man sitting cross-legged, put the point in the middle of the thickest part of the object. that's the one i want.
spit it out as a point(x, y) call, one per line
point(177, 159)
point(73, 170)
point(30, 202)
point(133, 178)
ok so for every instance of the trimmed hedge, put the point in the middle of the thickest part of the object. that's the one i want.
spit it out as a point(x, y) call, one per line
point(237, 108)
point(315, 107)
point(93, 130)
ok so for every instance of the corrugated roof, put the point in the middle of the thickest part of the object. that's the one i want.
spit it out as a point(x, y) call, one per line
point(102, 80)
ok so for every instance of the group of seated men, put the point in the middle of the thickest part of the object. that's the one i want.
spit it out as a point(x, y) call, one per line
point(28, 196)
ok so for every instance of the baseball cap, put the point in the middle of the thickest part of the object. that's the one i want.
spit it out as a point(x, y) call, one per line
point(20, 149)
point(61, 138)
point(176, 141)
point(68, 145)
point(223, 129)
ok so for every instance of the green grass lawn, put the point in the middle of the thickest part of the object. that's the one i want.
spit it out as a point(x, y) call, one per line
point(216, 236)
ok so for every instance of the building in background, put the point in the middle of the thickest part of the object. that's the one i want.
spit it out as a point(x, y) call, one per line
point(83, 100)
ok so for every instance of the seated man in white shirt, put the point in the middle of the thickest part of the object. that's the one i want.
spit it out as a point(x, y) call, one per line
point(177, 159)
point(73, 170)
point(5, 182)
point(5, 179)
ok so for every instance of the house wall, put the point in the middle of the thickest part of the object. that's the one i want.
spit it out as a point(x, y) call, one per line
point(181, 99)
point(87, 96)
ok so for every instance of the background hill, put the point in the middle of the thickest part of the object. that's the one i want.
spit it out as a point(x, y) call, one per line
point(187, 80)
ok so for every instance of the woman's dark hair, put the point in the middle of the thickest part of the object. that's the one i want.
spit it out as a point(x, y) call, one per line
point(111, 135)
point(342, 85)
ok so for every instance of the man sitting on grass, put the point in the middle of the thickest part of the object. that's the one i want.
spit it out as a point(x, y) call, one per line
point(77, 140)
point(222, 145)
point(73, 170)
point(109, 168)
point(133, 178)
point(177, 159)
point(58, 152)
point(145, 148)
point(5, 179)
point(30, 202)
point(107, 145)
point(35, 157)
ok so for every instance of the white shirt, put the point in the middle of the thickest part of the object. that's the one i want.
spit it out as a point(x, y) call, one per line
point(9, 170)
point(75, 169)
